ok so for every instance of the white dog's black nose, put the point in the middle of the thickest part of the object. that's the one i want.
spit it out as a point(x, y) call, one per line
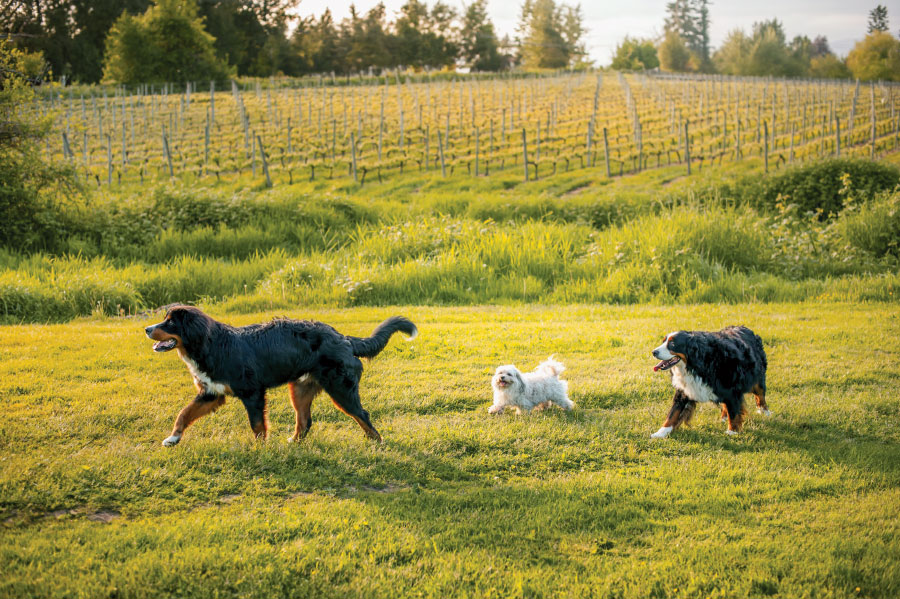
point(655, 353)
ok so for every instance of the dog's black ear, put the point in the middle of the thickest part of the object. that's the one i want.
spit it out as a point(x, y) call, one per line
point(695, 348)
point(195, 328)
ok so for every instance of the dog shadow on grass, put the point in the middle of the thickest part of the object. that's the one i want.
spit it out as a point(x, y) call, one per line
point(822, 442)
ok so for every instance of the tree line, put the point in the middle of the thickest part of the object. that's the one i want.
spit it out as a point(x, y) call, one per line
point(765, 51)
point(176, 40)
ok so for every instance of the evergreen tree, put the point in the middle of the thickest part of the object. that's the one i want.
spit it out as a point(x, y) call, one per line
point(878, 19)
point(478, 40)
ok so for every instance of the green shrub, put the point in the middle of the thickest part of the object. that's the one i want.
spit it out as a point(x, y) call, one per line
point(817, 187)
point(873, 226)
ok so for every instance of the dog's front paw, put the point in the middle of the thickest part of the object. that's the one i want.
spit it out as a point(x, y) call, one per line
point(171, 441)
point(731, 432)
point(662, 433)
point(495, 409)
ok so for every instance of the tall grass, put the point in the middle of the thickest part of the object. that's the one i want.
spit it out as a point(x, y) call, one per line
point(560, 240)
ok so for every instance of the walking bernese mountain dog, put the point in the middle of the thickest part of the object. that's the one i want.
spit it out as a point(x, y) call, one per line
point(246, 361)
point(718, 367)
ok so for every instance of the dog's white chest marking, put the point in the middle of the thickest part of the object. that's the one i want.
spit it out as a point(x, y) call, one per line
point(691, 385)
point(203, 378)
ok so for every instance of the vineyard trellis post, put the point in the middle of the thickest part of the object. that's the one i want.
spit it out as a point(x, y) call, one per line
point(606, 153)
point(687, 147)
point(109, 167)
point(353, 154)
point(477, 148)
point(766, 146)
point(265, 163)
point(837, 136)
point(168, 155)
point(525, 153)
point(441, 152)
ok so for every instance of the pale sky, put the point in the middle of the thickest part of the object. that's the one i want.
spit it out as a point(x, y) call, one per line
point(843, 22)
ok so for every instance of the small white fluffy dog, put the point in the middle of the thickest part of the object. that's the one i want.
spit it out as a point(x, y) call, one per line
point(526, 391)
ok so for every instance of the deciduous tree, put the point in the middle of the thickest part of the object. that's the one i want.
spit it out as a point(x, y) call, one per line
point(166, 43)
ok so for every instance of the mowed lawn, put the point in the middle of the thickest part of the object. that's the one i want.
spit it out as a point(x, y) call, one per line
point(455, 502)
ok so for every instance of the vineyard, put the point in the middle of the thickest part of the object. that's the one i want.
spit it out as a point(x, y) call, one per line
point(510, 218)
point(613, 124)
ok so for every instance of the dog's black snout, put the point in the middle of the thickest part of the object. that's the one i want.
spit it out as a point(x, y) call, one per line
point(655, 353)
point(149, 329)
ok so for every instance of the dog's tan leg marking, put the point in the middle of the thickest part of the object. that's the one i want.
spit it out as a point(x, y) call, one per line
point(735, 424)
point(190, 413)
point(760, 394)
point(302, 395)
point(680, 415)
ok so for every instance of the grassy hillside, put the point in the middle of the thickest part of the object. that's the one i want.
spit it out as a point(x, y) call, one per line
point(455, 502)
point(821, 232)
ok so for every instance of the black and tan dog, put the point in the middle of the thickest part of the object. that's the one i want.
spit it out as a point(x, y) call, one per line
point(246, 361)
point(718, 367)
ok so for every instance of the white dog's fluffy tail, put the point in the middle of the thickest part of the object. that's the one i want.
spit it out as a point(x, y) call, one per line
point(551, 366)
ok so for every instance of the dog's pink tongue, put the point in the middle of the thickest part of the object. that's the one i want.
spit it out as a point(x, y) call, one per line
point(658, 366)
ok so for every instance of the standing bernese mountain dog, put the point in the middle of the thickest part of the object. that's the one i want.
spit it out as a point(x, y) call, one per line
point(246, 361)
point(718, 367)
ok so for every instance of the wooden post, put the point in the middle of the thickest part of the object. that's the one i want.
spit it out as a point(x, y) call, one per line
point(441, 151)
point(109, 158)
point(590, 136)
point(253, 156)
point(872, 152)
point(206, 144)
point(265, 163)
point(737, 137)
point(766, 145)
point(525, 153)
point(353, 154)
point(791, 155)
point(837, 135)
point(687, 148)
point(427, 157)
point(476, 150)
point(67, 151)
point(166, 152)
point(606, 153)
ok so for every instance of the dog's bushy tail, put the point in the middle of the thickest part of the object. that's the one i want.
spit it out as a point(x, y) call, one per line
point(551, 366)
point(369, 347)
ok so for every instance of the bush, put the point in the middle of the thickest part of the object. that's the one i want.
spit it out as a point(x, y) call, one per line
point(873, 226)
point(817, 187)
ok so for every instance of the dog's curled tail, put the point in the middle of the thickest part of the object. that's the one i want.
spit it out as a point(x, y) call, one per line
point(370, 347)
point(551, 366)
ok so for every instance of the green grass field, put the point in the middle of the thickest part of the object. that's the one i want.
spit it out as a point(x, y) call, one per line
point(805, 503)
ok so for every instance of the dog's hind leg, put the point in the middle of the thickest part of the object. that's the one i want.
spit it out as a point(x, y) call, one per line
point(724, 413)
point(302, 392)
point(341, 382)
point(203, 404)
point(255, 404)
point(759, 390)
